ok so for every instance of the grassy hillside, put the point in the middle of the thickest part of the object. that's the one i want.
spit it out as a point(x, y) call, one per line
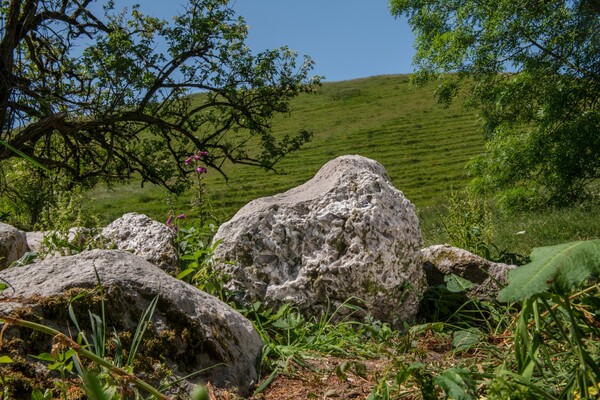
point(423, 146)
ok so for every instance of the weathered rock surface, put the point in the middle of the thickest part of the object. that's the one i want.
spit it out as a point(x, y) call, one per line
point(12, 245)
point(442, 259)
point(345, 233)
point(35, 241)
point(190, 330)
point(144, 237)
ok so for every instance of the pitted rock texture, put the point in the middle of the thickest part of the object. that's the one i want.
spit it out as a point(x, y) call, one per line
point(12, 245)
point(144, 237)
point(345, 234)
point(190, 331)
point(442, 259)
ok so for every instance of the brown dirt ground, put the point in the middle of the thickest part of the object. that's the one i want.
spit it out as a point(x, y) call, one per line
point(338, 378)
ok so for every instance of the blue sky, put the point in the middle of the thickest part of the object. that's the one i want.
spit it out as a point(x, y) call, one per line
point(346, 38)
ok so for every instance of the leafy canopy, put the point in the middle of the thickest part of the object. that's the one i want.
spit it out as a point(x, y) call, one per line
point(532, 68)
point(91, 92)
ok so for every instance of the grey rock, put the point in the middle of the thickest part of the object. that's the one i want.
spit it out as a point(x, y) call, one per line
point(12, 245)
point(442, 259)
point(144, 237)
point(191, 330)
point(346, 233)
point(35, 241)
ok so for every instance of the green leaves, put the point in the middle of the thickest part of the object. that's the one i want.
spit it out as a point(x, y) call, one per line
point(549, 95)
point(456, 284)
point(5, 360)
point(467, 339)
point(558, 268)
point(457, 384)
point(118, 101)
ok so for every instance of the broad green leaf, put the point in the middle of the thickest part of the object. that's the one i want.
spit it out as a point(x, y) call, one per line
point(44, 357)
point(283, 324)
point(185, 273)
point(3, 286)
point(435, 327)
point(26, 259)
point(5, 360)
point(38, 395)
point(94, 389)
point(559, 267)
point(199, 393)
point(457, 384)
point(456, 284)
point(466, 339)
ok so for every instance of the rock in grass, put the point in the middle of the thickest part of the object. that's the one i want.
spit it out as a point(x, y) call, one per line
point(487, 277)
point(190, 331)
point(346, 234)
point(144, 237)
point(12, 245)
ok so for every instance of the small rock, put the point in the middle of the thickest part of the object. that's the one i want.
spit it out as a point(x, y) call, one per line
point(440, 260)
point(12, 245)
point(146, 238)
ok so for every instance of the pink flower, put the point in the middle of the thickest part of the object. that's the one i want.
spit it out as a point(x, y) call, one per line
point(181, 216)
point(188, 160)
point(169, 221)
point(201, 170)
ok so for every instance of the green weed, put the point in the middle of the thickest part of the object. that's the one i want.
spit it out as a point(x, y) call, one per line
point(556, 334)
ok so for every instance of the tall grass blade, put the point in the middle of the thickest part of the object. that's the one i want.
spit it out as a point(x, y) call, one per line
point(98, 334)
point(23, 156)
point(141, 329)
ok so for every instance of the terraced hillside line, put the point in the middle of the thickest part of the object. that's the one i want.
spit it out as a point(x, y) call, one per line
point(423, 146)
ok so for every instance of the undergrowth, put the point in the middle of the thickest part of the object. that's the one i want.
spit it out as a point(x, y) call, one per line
point(538, 340)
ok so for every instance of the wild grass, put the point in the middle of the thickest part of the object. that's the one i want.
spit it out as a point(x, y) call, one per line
point(544, 346)
point(518, 234)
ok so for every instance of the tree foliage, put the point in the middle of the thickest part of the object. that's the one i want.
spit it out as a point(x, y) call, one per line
point(532, 68)
point(94, 93)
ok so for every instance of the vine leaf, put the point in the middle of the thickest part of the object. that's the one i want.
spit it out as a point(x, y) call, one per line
point(558, 268)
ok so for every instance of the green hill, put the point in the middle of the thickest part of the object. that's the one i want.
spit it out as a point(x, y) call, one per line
point(423, 146)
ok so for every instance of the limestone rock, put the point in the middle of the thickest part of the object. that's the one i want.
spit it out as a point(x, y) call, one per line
point(12, 245)
point(35, 241)
point(440, 260)
point(144, 237)
point(190, 330)
point(346, 233)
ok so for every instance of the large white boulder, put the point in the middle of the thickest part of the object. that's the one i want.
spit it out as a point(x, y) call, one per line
point(346, 234)
point(190, 332)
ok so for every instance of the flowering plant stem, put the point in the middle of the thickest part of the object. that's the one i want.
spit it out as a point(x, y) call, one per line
point(62, 338)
